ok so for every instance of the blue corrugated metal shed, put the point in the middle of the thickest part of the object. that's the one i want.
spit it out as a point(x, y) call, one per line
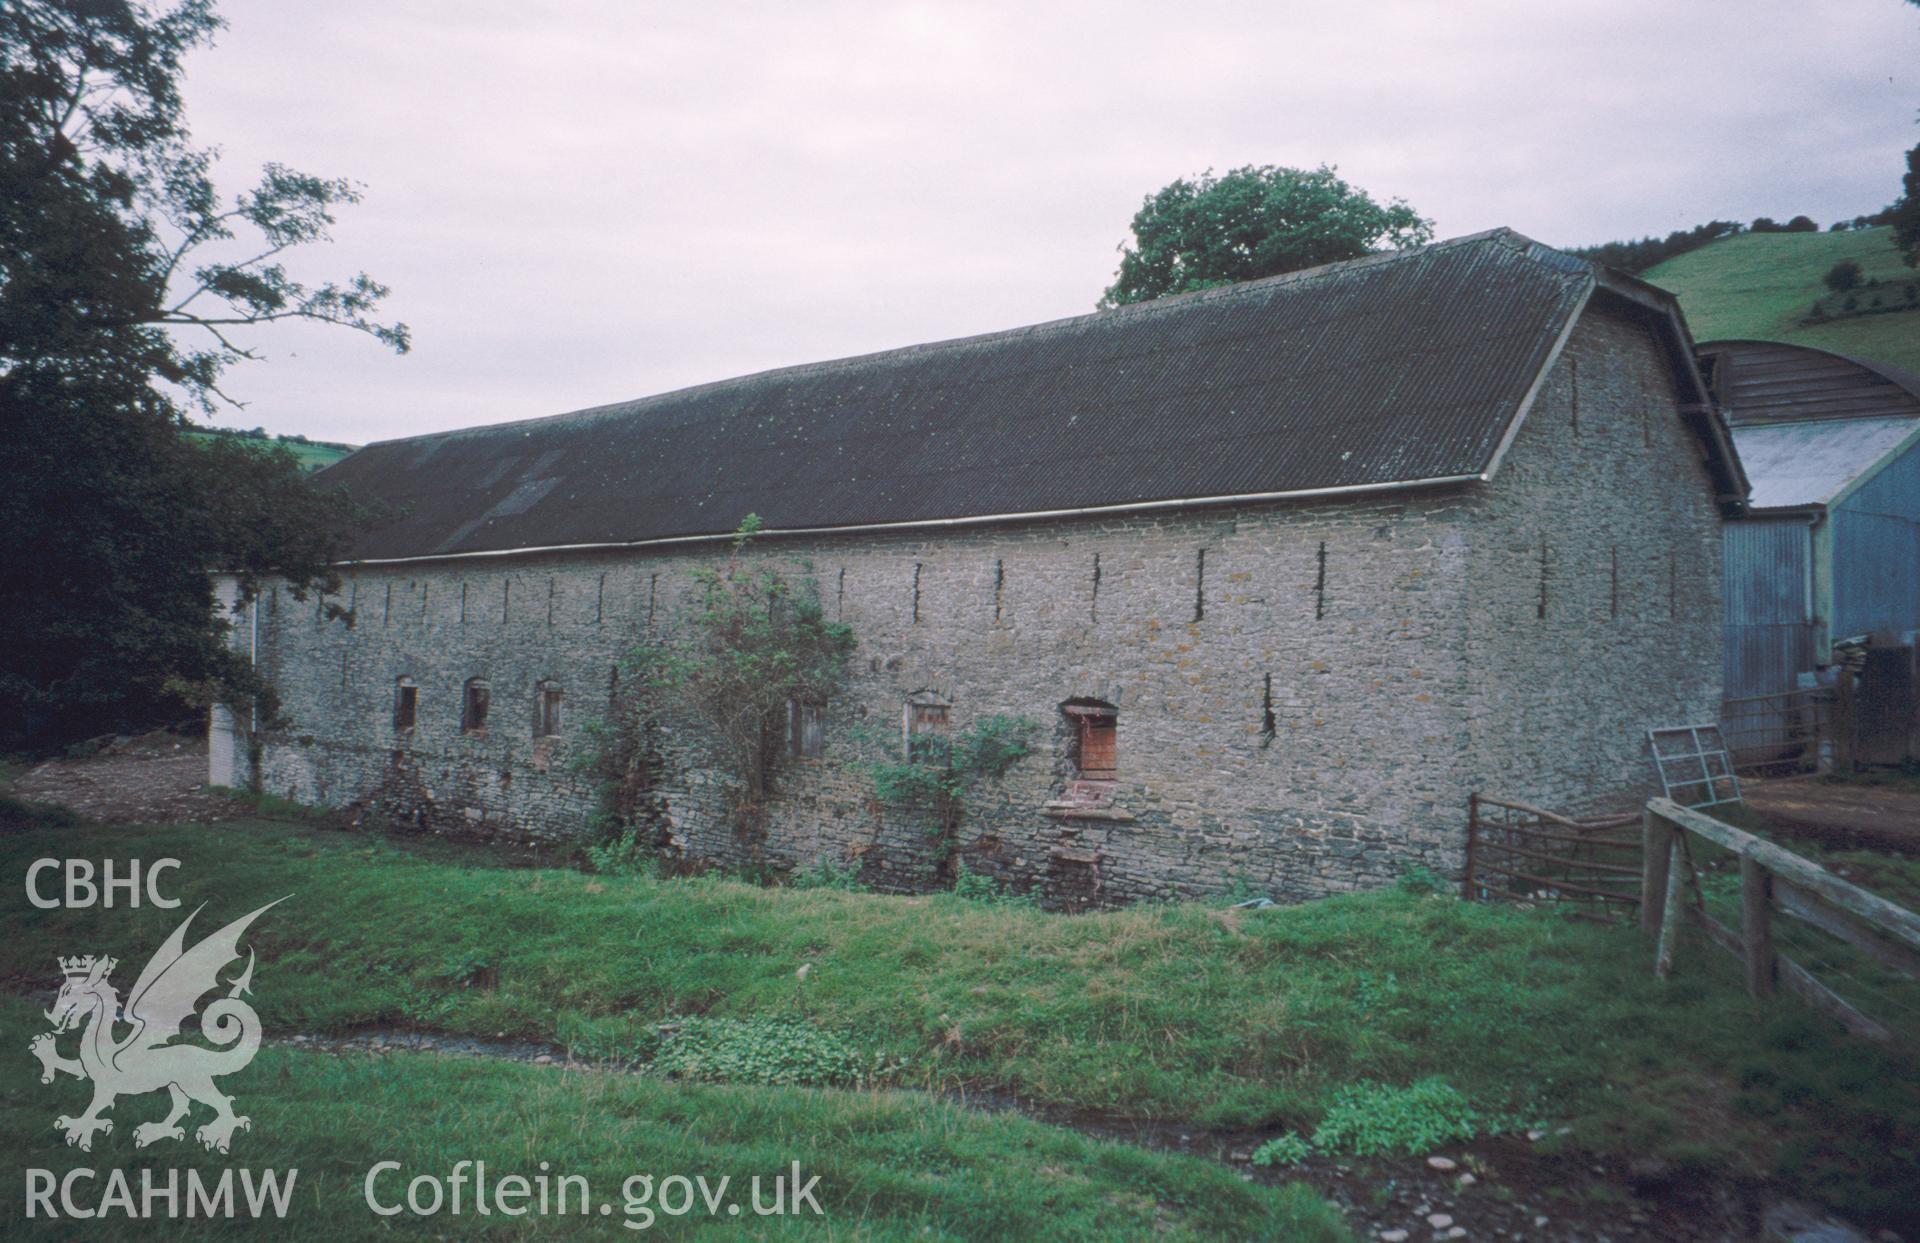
point(1830, 550)
point(1769, 604)
point(1876, 550)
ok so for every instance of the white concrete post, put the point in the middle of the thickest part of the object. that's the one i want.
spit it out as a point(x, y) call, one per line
point(229, 753)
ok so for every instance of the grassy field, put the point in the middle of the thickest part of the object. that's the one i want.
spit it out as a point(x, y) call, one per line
point(312, 455)
point(1761, 285)
point(890, 1166)
point(1211, 1016)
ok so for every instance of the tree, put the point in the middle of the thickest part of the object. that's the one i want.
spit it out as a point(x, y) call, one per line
point(124, 277)
point(1904, 216)
point(1843, 276)
point(1252, 222)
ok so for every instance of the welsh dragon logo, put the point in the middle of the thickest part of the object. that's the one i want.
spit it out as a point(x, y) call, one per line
point(167, 993)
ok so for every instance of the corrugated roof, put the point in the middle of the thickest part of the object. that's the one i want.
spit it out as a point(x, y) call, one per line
point(1380, 371)
point(1771, 381)
point(1809, 463)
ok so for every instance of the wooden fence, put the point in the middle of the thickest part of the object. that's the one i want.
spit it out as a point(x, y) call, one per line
point(1520, 853)
point(1772, 880)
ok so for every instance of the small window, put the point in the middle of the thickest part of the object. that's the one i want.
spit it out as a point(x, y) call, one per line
point(927, 717)
point(473, 712)
point(406, 703)
point(546, 710)
point(807, 728)
point(1095, 739)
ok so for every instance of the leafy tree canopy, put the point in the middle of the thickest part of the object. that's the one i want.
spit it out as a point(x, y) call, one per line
point(1905, 215)
point(124, 277)
point(1252, 222)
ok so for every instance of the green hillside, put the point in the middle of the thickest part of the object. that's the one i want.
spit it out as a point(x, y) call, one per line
point(311, 454)
point(1762, 285)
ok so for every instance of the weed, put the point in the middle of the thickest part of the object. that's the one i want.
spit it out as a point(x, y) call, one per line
point(1368, 1119)
point(1422, 880)
point(622, 856)
point(975, 887)
point(774, 1050)
point(1240, 888)
point(824, 873)
point(1288, 1149)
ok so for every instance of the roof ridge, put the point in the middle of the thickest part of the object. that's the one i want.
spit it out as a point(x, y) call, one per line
point(1502, 234)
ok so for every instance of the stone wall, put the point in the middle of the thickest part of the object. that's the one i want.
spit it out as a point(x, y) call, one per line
point(1594, 584)
point(1307, 693)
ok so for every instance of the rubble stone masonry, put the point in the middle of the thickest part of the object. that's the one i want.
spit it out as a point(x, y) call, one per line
point(1306, 692)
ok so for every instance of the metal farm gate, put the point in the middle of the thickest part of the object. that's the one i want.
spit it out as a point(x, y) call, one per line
point(1519, 853)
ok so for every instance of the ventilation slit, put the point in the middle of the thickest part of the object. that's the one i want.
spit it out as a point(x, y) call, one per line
point(1320, 584)
point(1540, 608)
point(1268, 725)
point(916, 593)
point(1093, 606)
point(1573, 368)
point(999, 588)
point(1200, 585)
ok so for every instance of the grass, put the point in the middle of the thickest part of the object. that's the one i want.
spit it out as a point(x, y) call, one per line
point(311, 455)
point(891, 1166)
point(1213, 1017)
point(1761, 285)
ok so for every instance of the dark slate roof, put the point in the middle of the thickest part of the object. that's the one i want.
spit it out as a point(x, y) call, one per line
point(1773, 382)
point(1390, 370)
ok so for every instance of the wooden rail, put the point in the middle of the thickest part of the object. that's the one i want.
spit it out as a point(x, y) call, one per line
point(1772, 879)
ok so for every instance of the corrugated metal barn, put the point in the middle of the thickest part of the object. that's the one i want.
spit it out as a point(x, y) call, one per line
point(1828, 559)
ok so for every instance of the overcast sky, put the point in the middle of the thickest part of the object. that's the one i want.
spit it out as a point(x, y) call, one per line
point(578, 203)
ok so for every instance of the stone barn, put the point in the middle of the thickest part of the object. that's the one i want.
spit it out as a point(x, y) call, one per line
point(1284, 570)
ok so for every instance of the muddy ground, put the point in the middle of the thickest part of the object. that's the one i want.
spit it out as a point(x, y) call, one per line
point(156, 778)
point(1843, 814)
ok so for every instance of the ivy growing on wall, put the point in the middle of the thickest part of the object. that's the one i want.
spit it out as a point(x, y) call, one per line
point(753, 640)
point(939, 771)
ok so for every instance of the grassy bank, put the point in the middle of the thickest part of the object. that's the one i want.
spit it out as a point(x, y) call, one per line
point(1762, 285)
point(1206, 1015)
point(890, 1166)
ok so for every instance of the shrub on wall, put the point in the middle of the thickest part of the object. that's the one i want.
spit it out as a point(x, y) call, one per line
point(937, 771)
point(754, 641)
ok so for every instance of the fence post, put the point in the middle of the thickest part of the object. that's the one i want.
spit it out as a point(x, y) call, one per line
point(1656, 840)
point(1846, 735)
point(1473, 836)
point(1756, 925)
point(1671, 910)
